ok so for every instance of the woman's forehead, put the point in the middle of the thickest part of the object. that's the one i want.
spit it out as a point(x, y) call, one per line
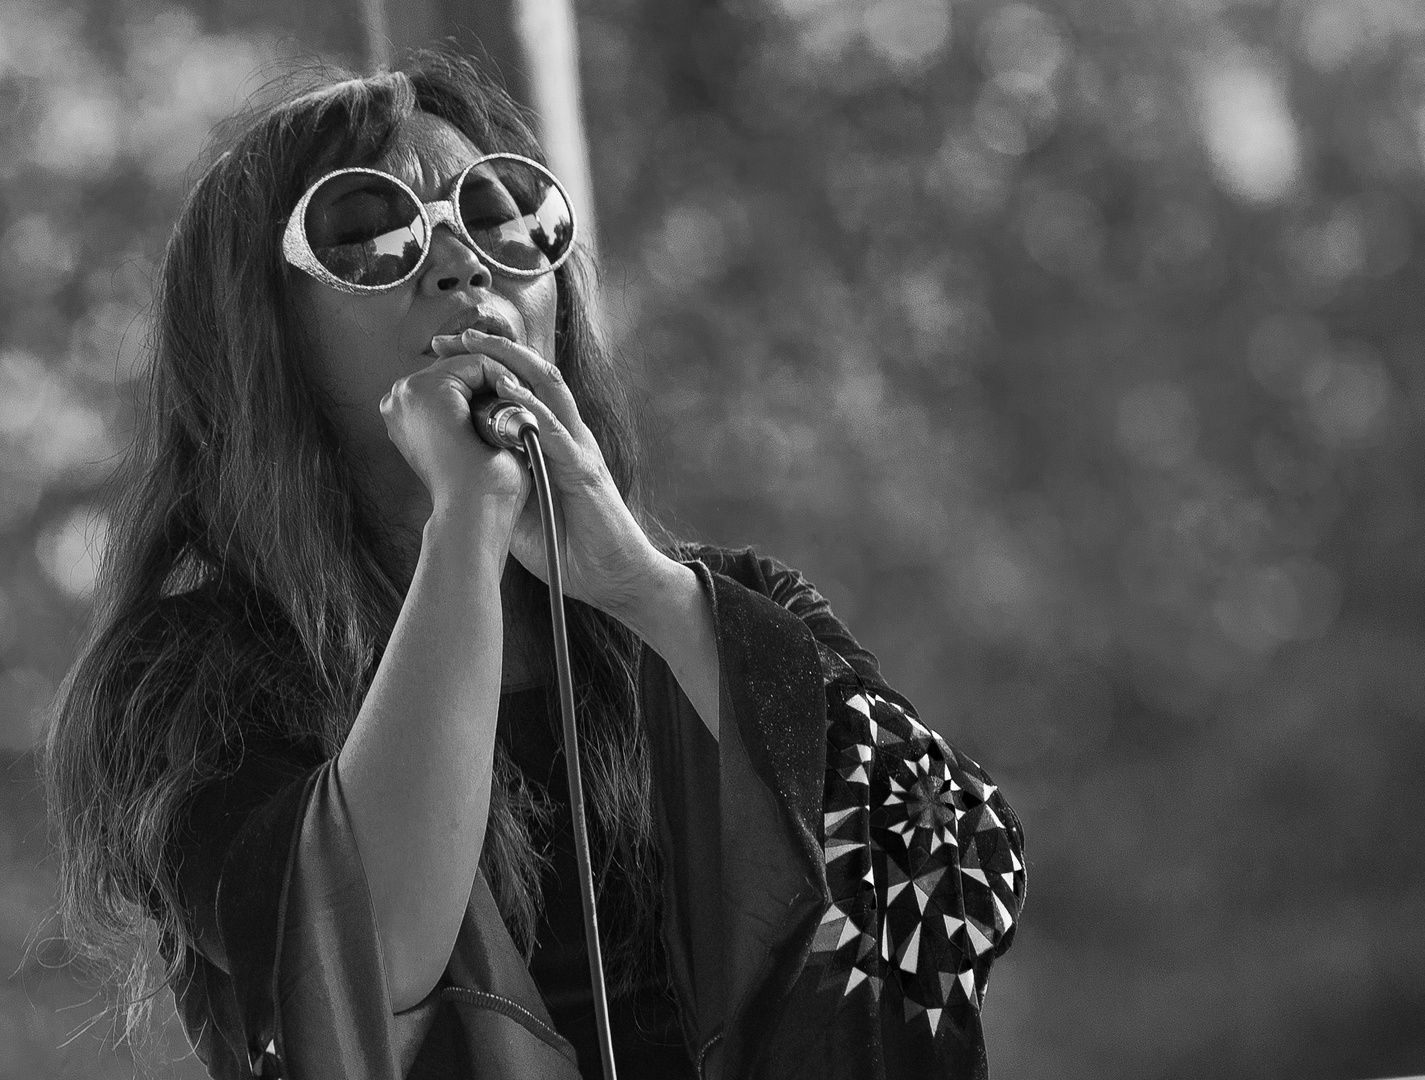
point(428, 153)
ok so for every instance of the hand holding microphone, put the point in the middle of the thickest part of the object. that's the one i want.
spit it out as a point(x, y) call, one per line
point(608, 559)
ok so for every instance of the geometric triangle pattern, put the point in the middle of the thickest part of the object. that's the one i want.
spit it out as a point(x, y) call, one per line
point(924, 867)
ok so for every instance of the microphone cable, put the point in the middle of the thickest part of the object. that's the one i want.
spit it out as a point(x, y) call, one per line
point(507, 425)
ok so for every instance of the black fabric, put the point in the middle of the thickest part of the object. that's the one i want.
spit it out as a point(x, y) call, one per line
point(244, 821)
point(770, 767)
point(748, 905)
point(788, 588)
point(647, 1038)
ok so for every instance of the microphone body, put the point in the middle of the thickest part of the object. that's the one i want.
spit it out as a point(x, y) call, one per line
point(501, 423)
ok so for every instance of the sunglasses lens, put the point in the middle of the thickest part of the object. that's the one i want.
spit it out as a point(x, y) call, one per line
point(516, 214)
point(365, 229)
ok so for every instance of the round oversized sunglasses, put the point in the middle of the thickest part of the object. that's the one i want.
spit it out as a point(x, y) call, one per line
point(362, 230)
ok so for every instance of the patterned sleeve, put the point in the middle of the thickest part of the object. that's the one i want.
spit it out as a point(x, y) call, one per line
point(861, 874)
point(925, 872)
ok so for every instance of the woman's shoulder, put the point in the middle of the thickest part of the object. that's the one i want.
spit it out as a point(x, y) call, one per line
point(745, 565)
point(212, 649)
point(789, 588)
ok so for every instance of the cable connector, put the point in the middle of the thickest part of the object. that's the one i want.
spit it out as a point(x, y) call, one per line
point(502, 423)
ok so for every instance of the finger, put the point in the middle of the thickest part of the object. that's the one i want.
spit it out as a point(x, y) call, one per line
point(447, 345)
point(541, 376)
point(477, 374)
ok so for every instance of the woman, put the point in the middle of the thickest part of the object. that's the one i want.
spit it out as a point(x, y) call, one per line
point(308, 747)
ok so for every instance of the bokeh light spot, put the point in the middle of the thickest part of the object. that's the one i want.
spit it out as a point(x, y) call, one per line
point(1331, 33)
point(970, 176)
point(1262, 607)
point(999, 588)
point(80, 132)
point(907, 33)
point(1022, 47)
point(1250, 135)
point(24, 391)
point(999, 123)
point(71, 550)
point(692, 247)
point(36, 256)
point(1351, 406)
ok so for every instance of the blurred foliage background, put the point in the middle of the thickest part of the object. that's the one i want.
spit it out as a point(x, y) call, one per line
point(1074, 349)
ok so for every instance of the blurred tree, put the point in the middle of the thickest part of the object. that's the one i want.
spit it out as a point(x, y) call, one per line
point(1074, 350)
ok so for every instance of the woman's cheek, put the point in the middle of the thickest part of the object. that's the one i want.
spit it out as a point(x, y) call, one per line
point(540, 317)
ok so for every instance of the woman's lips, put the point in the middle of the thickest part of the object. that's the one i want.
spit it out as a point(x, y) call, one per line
point(481, 319)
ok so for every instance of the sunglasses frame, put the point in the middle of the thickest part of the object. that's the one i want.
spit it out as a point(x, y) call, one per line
point(445, 211)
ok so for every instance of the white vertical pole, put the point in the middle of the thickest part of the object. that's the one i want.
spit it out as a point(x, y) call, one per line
point(378, 34)
point(549, 42)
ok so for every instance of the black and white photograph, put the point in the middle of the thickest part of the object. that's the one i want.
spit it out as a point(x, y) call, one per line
point(712, 539)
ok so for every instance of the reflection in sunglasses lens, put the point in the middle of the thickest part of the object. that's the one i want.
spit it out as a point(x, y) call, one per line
point(516, 215)
point(365, 229)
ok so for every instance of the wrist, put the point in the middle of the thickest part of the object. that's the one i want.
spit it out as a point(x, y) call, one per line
point(662, 601)
point(475, 526)
point(674, 617)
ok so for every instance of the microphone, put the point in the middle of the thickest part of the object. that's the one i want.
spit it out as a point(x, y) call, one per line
point(501, 423)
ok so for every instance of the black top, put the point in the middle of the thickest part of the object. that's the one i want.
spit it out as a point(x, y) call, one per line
point(836, 879)
point(648, 1041)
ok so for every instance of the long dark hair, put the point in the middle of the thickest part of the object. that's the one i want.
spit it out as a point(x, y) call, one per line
point(249, 589)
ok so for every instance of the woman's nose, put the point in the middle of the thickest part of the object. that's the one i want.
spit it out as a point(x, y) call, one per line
point(452, 264)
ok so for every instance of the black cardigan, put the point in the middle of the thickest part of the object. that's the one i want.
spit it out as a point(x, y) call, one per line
point(838, 880)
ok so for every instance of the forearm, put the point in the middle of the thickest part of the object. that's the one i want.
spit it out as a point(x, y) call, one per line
point(416, 766)
point(674, 616)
